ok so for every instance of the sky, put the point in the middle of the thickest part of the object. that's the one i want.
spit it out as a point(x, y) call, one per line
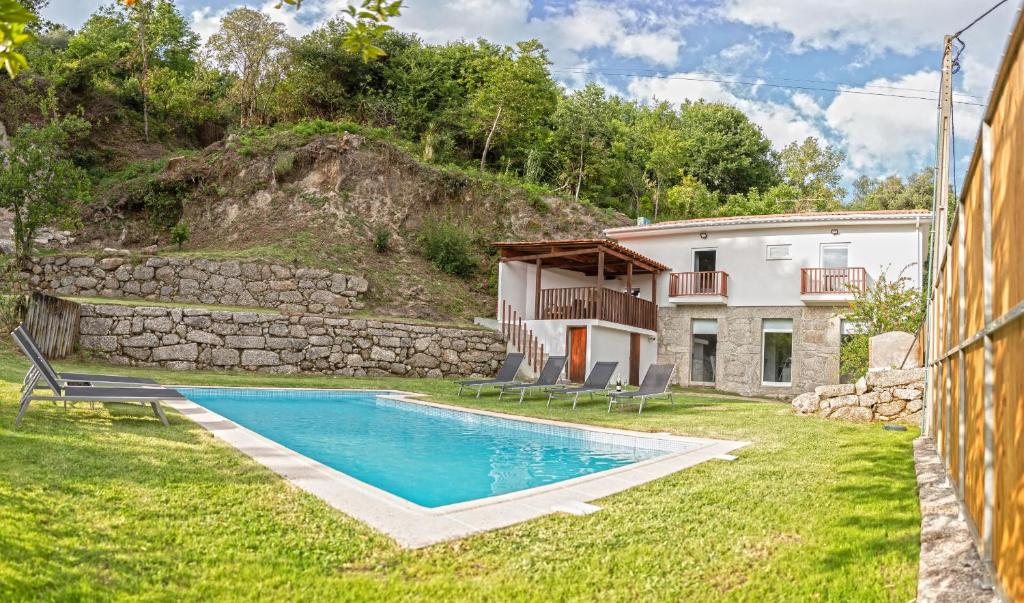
point(797, 68)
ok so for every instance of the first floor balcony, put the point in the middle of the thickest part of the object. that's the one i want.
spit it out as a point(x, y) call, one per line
point(825, 286)
point(598, 303)
point(709, 287)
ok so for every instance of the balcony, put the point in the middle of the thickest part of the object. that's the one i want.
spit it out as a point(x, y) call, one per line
point(698, 287)
point(828, 286)
point(583, 303)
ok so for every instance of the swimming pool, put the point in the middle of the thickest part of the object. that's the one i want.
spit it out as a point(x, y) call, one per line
point(425, 454)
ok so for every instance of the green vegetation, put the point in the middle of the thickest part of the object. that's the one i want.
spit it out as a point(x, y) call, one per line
point(107, 504)
point(179, 234)
point(449, 247)
point(381, 239)
point(887, 304)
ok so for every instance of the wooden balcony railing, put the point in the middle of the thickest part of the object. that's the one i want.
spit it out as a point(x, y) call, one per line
point(598, 303)
point(832, 280)
point(698, 283)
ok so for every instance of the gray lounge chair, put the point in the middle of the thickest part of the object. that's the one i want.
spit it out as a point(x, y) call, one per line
point(597, 381)
point(140, 394)
point(548, 377)
point(655, 384)
point(506, 374)
point(33, 375)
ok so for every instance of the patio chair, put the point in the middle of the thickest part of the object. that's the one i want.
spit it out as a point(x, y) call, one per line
point(597, 381)
point(506, 374)
point(32, 376)
point(137, 394)
point(548, 377)
point(655, 384)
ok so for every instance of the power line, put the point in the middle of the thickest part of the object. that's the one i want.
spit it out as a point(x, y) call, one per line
point(654, 72)
point(983, 15)
point(765, 84)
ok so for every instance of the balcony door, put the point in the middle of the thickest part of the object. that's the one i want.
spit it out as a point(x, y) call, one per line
point(835, 257)
point(705, 260)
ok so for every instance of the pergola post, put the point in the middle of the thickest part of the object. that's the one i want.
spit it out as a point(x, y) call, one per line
point(536, 296)
point(654, 287)
point(629, 277)
point(600, 282)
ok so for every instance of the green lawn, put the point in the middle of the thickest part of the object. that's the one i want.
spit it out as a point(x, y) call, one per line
point(107, 504)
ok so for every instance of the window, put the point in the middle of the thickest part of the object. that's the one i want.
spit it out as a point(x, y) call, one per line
point(777, 351)
point(704, 260)
point(835, 256)
point(778, 252)
point(705, 350)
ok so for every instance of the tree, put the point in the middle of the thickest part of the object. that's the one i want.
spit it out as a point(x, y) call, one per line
point(37, 178)
point(248, 44)
point(690, 199)
point(814, 171)
point(512, 93)
point(888, 304)
point(581, 131)
point(666, 159)
point(891, 192)
point(725, 150)
point(14, 19)
point(778, 199)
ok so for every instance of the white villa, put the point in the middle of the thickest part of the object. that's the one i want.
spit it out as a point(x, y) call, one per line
point(748, 304)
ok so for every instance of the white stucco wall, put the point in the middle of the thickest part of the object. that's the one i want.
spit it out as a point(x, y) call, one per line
point(757, 281)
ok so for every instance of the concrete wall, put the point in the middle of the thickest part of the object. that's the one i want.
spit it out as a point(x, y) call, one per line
point(755, 280)
point(739, 356)
point(187, 339)
point(193, 280)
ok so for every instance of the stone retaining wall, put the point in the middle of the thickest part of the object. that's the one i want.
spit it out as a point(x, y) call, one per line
point(196, 280)
point(186, 339)
point(892, 395)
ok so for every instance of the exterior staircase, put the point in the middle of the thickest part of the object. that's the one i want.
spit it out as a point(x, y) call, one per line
point(521, 338)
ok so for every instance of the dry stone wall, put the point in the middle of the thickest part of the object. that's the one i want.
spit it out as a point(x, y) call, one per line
point(889, 395)
point(186, 339)
point(197, 280)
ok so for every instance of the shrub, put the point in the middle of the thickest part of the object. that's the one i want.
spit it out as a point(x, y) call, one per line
point(888, 304)
point(12, 303)
point(284, 163)
point(381, 239)
point(449, 247)
point(179, 234)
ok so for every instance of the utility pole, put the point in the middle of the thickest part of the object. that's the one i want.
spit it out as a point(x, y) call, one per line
point(940, 207)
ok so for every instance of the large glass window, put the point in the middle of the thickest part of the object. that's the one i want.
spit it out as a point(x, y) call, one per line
point(777, 350)
point(705, 350)
point(835, 255)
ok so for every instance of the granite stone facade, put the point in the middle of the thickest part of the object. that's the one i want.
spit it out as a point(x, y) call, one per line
point(186, 339)
point(196, 280)
point(816, 340)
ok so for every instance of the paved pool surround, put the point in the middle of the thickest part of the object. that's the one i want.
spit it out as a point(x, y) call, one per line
point(413, 526)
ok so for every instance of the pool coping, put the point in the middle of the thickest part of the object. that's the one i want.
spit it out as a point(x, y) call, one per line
point(415, 526)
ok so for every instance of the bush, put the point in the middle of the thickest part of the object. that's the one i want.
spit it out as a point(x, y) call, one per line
point(853, 357)
point(179, 234)
point(381, 239)
point(449, 247)
point(284, 163)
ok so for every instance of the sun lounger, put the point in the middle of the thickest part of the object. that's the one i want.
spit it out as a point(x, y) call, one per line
point(655, 384)
point(548, 377)
point(136, 394)
point(33, 375)
point(597, 381)
point(506, 374)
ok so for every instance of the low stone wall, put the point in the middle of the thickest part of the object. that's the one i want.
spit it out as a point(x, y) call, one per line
point(196, 280)
point(186, 339)
point(893, 395)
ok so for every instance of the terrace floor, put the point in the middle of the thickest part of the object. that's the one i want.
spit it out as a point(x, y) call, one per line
point(106, 503)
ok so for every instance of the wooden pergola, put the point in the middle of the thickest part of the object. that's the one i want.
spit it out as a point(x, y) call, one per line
point(599, 258)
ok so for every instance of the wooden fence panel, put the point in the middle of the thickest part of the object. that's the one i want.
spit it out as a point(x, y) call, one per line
point(53, 323)
point(1008, 516)
point(974, 435)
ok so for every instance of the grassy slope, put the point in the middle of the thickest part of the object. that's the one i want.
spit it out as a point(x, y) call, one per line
point(100, 504)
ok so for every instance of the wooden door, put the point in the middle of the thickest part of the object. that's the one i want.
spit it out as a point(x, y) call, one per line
point(577, 354)
point(634, 358)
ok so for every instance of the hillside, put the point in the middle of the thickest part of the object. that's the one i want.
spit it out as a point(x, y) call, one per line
point(319, 197)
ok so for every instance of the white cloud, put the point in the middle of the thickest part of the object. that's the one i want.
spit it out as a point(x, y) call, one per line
point(887, 135)
point(807, 106)
point(566, 32)
point(206, 22)
point(782, 123)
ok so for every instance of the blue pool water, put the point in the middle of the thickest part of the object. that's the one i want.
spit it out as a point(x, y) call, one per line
point(429, 456)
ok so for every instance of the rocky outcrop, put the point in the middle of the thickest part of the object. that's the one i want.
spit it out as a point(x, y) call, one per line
point(893, 395)
point(197, 280)
point(187, 339)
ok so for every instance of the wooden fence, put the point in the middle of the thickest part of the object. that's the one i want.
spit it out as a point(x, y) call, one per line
point(53, 323)
point(975, 334)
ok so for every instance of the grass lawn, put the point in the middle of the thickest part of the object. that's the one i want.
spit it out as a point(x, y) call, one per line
point(107, 504)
